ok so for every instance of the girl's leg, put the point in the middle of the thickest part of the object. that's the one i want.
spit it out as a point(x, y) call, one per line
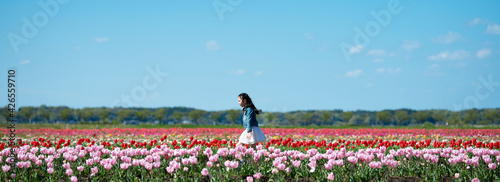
point(238, 144)
point(254, 146)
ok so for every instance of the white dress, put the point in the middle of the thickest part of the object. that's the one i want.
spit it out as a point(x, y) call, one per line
point(257, 136)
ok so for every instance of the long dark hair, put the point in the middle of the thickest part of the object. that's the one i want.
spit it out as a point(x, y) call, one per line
point(250, 104)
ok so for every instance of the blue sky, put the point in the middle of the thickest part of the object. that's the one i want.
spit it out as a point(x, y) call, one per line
point(287, 56)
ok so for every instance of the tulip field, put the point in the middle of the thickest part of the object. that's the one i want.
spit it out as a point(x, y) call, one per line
point(211, 154)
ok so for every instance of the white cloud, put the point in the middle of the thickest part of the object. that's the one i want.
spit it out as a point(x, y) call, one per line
point(493, 29)
point(410, 45)
point(389, 70)
point(323, 47)
point(309, 36)
point(101, 39)
point(460, 64)
point(25, 62)
point(378, 60)
point(356, 49)
point(447, 55)
point(448, 38)
point(258, 73)
point(376, 52)
point(237, 72)
point(212, 45)
point(354, 74)
point(476, 21)
point(433, 70)
point(368, 85)
point(483, 53)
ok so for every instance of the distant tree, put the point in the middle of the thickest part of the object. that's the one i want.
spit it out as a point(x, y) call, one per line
point(471, 116)
point(195, 115)
point(215, 116)
point(66, 114)
point(401, 116)
point(325, 116)
point(308, 118)
point(384, 117)
point(291, 118)
point(492, 115)
point(177, 115)
point(454, 119)
point(160, 114)
point(421, 116)
point(346, 116)
point(103, 115)
point(78, 114)
point(26, 113)
point(122, 114)
point(270, 117)
point(44, 113)
point(232, 115)
point(142, 114)
point(87, 113)
point(440, 115)
point(5, 112)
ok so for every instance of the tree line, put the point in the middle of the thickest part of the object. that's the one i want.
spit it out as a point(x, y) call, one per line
point(180, 115)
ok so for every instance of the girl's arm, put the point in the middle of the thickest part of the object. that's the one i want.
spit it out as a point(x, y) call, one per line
point(248, 116)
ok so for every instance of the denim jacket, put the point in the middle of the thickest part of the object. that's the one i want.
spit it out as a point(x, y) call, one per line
point(249, 119)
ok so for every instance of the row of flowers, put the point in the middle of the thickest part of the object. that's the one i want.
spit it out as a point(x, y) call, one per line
point(281, 159)
point(302, 132)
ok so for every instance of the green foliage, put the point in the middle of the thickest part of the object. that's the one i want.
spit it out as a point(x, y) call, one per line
point(471, 116)
point(401, 116)
point(142, 114)
point(428, 125)
point(66, 114)
point(323, 118)
point(26, 112)
point(196, 115)
point(160, 114)
point(384, 117)
point(346, 116)
point(216, 116)
point(421, 116)
point(178, 115)
point(232, 115)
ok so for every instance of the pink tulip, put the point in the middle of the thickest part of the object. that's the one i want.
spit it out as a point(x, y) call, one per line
point(69, 172)
point(204, 171)
point(13, 175)
point(257, 175)
point(281, 167)
point(50, 170)
point(73, 179)
point(249, 179)
point(475, 180)
point(209, 164)
point(492, 166)
point(331, 177)
point(457, 175)
point(5, 168)
point(79, 168)
point(94, 170)
point(66, 165)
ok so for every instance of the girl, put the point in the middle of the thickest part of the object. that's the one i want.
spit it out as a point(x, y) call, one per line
point(252, 134)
